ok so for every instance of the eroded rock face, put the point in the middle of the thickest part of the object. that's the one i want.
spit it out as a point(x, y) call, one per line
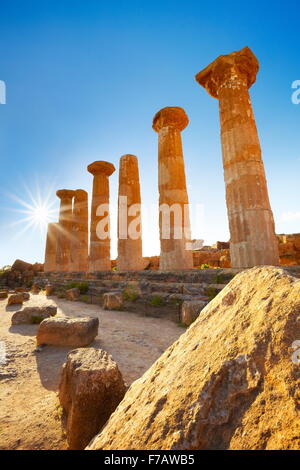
point(73, 294)
point(65, 331)
point(49, 289)
point(230, 382)
point(91, 388)
point(33, 314)
point(15, 299)
point(3, 294)
point(190, 310)
point(112, 300)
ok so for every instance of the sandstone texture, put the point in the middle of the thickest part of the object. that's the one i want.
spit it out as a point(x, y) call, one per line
point(15, 299)
point(64, 230)
point(174, 229)
point(26, 295)
point(230, 382)
point(65, 331)
point(91, 388)
point(112, 300)
point(49, 288)
point(252, 232)
point(33, 314)
point(99, 256)
point(51, 247)
point(73, 294)
point(190, 310)
point(3, 294)
point(79, 243)
point(130, 255)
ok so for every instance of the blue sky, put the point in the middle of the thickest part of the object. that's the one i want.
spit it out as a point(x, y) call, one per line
point(85, 78)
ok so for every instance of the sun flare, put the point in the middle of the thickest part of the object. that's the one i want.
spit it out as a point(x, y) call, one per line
point(38, 211)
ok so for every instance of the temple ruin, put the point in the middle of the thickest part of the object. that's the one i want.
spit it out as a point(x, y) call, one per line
point(253, 240)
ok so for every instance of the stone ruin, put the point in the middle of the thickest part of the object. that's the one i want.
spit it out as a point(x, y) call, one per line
point(253, 240)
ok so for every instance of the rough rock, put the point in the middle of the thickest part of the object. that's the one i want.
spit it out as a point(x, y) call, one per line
point(190, 310)
point(15, 299)
point(230, 382)
point(49, 289)
point(91, 388)
point(35, 289)
point(73, 294)
point(26, 295)
point(3, 294)
point(33, 314)
point(112, 300)
point(21, 266)
point(65, 331)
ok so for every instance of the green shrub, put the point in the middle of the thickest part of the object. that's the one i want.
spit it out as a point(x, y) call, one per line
point(203, 266)
point(129, 294)
point(82, 286)
point(157, 301)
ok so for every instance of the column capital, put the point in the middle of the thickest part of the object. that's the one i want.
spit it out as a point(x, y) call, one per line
point(101, 167)
point(128, 157)
point(80, 194)
point(65, 193)
point(232, 71)
point(170, 117)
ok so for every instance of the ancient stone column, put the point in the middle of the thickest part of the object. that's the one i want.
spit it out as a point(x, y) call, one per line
point(80, 242)
point(63, 251)
point(130, 256)
point(51, 245)
point(253, 241)
point(174, 223)
point(99, 257)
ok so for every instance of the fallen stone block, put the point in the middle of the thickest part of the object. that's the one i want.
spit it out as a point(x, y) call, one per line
point(15, 299)
point(190, 310)
point(73, 294)
point(231, 381)
point(3, 294)
point(26, 295)
point(112, 300)
point(66, 331)
point(49, 289)
point(33, 314)
point(90, 389)
point(35, 289)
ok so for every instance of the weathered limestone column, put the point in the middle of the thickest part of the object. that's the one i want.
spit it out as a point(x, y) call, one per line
point(51, 245)
point(169, 122)
point(130, 256)
point(253, 241)
point(99, 257)
point(63, 251)
point(80, 242)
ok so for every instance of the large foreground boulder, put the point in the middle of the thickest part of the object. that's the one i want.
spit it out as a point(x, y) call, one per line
point(65, 331)
point(91, 388)
point(33, 314)
point(230, 382)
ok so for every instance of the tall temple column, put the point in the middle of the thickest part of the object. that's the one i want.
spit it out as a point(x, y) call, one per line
point(51, 245)
point(99, 257)
point(130, 256)
point(63, 251)
point(79, 244)
point(252, 233)
point(169, 122)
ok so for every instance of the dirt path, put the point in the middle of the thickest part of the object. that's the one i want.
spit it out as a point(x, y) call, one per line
point(29, 407)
